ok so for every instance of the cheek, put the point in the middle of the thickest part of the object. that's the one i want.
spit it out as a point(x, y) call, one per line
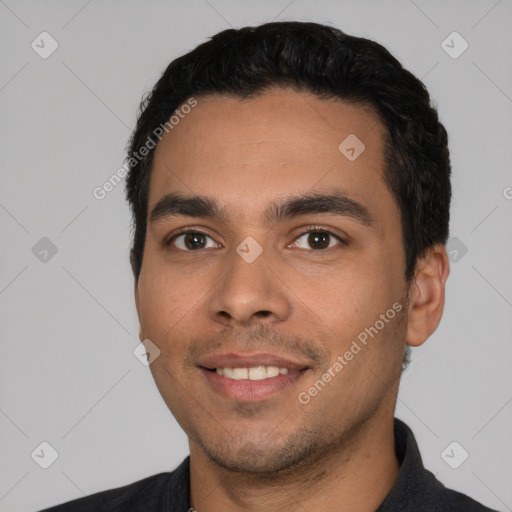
point(350, 308)
point(353, 295)
point(166, 299)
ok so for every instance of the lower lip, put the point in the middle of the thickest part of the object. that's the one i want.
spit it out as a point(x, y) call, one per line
point(251, 390)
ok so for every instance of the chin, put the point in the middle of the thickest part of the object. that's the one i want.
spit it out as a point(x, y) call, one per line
point(262, 458)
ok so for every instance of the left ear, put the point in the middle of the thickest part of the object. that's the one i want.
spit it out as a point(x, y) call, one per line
point(426, 295)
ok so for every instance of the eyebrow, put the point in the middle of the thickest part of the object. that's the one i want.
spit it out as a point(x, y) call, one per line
point(176, 205)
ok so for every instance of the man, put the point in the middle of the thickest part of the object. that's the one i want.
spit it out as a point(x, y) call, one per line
point(290, 187)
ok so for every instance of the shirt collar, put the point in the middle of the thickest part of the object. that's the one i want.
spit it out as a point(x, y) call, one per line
point(414, 482)
point(414, 485)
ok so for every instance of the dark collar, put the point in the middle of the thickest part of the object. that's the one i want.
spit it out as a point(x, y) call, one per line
point(414, 485)
point(415, 489)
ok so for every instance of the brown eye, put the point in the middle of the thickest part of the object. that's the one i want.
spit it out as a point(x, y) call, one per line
point(317, 240)
point(191, 241)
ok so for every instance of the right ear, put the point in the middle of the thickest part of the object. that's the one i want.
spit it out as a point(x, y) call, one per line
point(427, 294)
point(137, 307)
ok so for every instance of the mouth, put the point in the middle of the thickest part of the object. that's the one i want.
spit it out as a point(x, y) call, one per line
point(249, 378)
point(252, 373)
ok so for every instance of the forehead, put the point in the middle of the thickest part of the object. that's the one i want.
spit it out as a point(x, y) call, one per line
point(283, 142)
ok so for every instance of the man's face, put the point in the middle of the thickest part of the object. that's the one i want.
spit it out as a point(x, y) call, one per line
point(210, 300)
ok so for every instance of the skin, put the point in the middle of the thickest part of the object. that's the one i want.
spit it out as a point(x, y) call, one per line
point(337, 451)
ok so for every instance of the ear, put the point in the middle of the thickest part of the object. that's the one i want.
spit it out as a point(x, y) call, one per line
point(426, 295)
point(137, 306)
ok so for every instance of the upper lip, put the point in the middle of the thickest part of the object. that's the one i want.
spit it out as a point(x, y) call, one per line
point(237, 360)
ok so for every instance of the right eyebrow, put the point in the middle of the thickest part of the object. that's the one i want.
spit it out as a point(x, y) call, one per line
point(335, 202)
point(175, 205)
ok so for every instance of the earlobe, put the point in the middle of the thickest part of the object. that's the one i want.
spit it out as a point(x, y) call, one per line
point(427, 295)
point(137, 306)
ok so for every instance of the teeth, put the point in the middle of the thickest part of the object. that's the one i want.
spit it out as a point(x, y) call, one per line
point(240, 373)
point(257, 373)
point(253, 373)
point(227, 372)
point(272, 371)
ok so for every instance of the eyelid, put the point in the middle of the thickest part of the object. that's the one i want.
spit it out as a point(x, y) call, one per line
point(189, 229)
point(320, 229)
point(305, 230)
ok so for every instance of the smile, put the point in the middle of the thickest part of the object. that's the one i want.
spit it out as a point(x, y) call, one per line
point(252, 373)
point(251, 384)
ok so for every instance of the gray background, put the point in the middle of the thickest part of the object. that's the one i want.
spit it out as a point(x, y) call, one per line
point(68, 323)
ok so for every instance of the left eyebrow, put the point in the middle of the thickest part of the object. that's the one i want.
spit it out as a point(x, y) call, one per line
point(176, 205)
point(336, 203)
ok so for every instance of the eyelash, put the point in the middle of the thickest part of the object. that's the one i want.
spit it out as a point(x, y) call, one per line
point(309, 229)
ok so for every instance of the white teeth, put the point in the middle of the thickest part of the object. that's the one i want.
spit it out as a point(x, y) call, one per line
point(240, 373)
point(227, 372)
point(272, 371)
point(257, 373)
point(253, 373)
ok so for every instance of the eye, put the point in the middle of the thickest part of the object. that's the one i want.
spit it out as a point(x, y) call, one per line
point(191, 241)
point(317, 239)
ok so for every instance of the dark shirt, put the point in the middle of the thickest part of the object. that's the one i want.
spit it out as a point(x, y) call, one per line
point(415, 490)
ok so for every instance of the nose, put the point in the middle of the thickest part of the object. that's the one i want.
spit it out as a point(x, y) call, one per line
point(249, 293)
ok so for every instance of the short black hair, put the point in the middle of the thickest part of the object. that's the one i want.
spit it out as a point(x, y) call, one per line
point(325, 61)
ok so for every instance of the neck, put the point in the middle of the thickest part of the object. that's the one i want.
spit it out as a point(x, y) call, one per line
point(357, 475)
